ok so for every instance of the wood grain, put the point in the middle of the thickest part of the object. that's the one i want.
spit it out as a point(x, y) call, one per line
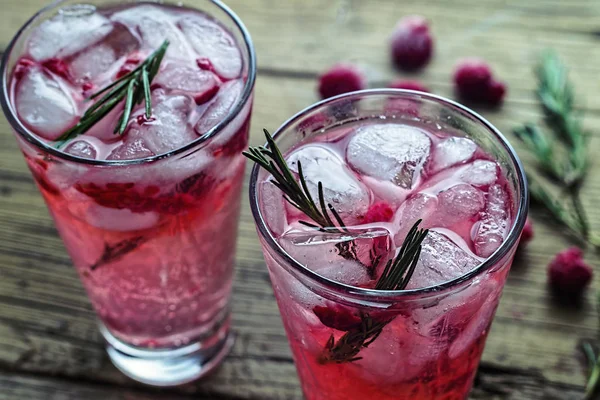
point(49, 345)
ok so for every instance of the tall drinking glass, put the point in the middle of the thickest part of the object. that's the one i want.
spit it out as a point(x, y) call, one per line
point(352, 341)
point(150, 231)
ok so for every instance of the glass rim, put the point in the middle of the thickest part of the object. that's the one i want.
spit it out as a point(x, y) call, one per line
point(387, 295)
point(29, 136)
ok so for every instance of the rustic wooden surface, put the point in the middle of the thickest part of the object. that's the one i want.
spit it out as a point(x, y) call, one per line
point(49, 345)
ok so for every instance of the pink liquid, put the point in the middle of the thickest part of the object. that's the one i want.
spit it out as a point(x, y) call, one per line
point(153, 242)
point(382, 178)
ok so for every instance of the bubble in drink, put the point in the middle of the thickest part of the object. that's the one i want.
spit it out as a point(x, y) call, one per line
point(44, 104)
point(67, 33)
point(390, 152)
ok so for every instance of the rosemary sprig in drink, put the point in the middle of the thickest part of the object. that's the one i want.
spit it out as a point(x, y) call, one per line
point(133, 88)
point(297, 194)
point(396, 275)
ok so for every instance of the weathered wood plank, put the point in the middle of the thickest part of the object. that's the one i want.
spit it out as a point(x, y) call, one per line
point(47, 327)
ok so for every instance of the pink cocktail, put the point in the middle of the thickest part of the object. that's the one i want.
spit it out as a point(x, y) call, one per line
point(149, 214)
point(387, 159)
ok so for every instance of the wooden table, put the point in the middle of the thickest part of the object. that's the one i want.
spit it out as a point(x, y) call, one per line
point(49, 345)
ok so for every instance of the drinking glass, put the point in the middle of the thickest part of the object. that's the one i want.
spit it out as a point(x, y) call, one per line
point(432, 344)
point(152, 239)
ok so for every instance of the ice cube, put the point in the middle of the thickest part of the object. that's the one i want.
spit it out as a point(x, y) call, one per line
point(70, 31)
point(183, 78)
point(479, 173)
point(346, 257)
point(398, 355)
point(389, 152)
point(476, 327)
point(45, 105)
point(341, 188)
point(444, 256)
point(272, 207)
point(494, 224)
point(131, 150)
point(212, 41)
point(82, 148)
point(102, 58)
point(154, 25)
point(168, 129)
point(458, 203)
point(119, 220)
point(419, 206)
point(452, 151)
point(218, 109)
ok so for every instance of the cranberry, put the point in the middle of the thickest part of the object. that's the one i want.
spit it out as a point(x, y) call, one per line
point(57, 66)
point(22, 67)
point(527, 234)
point(205, 64)
point(411, 43)
point(125, 69)
point(341, 78)
point(474, 82)
point(205, 97)
point(568, 273)
point(87, 86)
point(379, 212)
point(409, 84)
point(337, 317)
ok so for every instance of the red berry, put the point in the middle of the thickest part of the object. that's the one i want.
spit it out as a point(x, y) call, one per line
point(379, 212)
point(205, 64)
point(125, 69)
point(411, 43)
point(206, 96)
point(527, 234)
point(568, 273)
point(408, 84)
point(337, 317)
point(57, 66)
point(22, 67)
point(341, 78)
point(474, 82)
point(87, 86)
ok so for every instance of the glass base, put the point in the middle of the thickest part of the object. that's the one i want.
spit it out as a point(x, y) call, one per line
point(169, 367)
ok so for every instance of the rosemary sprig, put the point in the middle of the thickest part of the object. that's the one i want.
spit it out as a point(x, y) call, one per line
point(396, 276)
point(593, 381)
point(567, 168)
point(297, 194)
point(133, 88)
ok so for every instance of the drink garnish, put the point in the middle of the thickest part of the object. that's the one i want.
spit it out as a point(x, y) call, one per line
point(133, 87)
point(396, 275)
point(115, 251)
point(567, 169)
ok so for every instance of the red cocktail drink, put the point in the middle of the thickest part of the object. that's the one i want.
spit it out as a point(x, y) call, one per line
point(386, 159)
point(148, 213)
